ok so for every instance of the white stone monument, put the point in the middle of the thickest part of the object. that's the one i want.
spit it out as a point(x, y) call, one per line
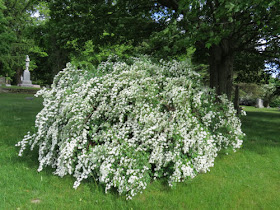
point(26, 82)
point(259, 103)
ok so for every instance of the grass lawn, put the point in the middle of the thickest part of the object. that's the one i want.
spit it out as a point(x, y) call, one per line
point(247, 179)
point(20, 87)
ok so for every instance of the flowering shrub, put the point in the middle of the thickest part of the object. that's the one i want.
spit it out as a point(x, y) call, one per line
point(131, 124)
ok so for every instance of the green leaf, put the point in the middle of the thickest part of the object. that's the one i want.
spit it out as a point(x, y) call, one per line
point(190, 51)
point(106, 34)
point(208, 45)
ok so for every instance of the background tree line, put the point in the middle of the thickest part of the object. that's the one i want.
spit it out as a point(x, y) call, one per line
point(236, 40)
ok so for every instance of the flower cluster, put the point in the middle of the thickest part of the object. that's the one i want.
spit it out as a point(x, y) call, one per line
point(132, 124)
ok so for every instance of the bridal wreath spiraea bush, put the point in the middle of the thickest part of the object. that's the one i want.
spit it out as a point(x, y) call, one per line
point(132, 124)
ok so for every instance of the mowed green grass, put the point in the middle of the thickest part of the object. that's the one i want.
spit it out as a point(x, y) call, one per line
point(247, 179)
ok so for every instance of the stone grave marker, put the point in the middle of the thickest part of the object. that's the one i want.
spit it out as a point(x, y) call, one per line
point(259, 103)
point(26, 82)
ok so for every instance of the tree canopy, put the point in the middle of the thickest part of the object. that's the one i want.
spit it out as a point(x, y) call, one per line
point(17, 41)
point(237, 39)
point(222, 30)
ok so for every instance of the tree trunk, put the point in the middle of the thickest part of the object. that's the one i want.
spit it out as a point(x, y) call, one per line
point(221, 68)
point(18, 76)
point(236, 100)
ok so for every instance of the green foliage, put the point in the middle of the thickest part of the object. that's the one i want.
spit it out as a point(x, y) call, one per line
point(65, 31)
point(90, 56)
point(250, 90)
point(87, 33)
point(6, 38)
point(213, 21)
point(275, 102)
point(220, 29)
point(19, 43)
point(104, 23)
point(250, 68)
point(168, 44)
point(271, 91)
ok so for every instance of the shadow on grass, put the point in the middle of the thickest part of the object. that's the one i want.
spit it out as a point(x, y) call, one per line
point(262, 130)
point(30, 160)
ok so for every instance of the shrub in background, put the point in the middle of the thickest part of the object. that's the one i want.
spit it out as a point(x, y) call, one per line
point(126, 125)
point(275, 102)
point(271, 92)
point(249, 93)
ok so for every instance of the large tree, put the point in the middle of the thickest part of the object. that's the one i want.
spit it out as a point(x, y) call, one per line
point(222, 29)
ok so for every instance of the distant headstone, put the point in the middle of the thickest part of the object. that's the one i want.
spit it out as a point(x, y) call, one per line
point(26, 82)
point(259, 103)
